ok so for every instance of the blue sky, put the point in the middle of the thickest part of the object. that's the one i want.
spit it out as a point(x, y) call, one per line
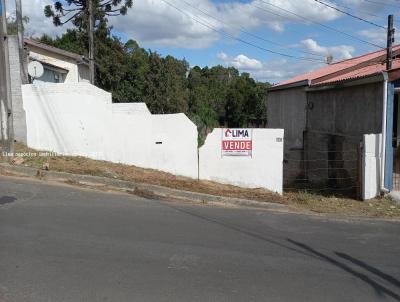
point(160, 26)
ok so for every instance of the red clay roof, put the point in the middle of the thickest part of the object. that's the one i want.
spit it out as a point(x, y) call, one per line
point(358, 67)
point(360, 73)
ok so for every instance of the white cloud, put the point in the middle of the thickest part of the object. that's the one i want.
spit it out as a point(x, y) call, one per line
point(339, 52)
point(378, 36)
point(240, 62)
point(38, 23)
point(156, 23)
point(272, 71)
point(374, 7)
point(275, 71)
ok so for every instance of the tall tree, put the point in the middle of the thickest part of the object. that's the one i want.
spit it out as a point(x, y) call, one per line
point(84, 14)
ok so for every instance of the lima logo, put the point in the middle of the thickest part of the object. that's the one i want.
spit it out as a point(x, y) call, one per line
point(236, 133)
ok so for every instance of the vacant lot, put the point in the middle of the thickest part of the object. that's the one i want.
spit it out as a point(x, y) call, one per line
point(302, 201)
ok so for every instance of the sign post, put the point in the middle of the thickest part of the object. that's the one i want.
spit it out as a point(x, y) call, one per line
point(237, 142)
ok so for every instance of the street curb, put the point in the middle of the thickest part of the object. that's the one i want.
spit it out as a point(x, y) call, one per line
point(140, 189)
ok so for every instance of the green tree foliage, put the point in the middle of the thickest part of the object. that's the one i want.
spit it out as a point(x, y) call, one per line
point(165, 84)
point(76, 11)
point(211, 97)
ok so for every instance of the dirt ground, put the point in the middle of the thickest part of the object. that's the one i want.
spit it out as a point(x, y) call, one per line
point(302, 201)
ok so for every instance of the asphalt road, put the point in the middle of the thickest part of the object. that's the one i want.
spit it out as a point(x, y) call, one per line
point(59, 243)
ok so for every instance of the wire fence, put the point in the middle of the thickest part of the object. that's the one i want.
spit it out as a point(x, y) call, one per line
point(332, 168)
point(396, 169)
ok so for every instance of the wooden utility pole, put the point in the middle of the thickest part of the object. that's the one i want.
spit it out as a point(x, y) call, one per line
point(390, 40)
point(21, 46)
point(6, 122)
point(91, 40)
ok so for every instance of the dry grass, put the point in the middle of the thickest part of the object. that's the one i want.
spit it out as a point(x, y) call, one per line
point(380, 207)
point(82, 165)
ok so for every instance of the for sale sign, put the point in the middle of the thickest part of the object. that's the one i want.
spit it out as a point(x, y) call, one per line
point(237, 142)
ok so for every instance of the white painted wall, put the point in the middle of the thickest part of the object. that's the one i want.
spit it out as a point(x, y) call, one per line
point(80, 119)
point(76, 73)
point(371, 165)
point(263, 170)
point(130, 108)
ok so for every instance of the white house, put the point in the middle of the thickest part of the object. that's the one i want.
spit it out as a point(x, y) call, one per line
point(60, 66)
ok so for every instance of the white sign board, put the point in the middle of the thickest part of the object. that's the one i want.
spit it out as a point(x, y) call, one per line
point(237, 142)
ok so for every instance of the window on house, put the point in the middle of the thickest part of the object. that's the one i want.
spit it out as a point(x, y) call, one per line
point(52, 74)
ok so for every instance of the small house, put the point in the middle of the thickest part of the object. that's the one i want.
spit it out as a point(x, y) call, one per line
point(326, 113)
point(59, 66)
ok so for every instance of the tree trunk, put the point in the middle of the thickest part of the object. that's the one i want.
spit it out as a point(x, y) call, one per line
point(91, 41)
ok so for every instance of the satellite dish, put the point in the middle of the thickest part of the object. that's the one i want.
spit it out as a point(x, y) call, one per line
point(35, 69)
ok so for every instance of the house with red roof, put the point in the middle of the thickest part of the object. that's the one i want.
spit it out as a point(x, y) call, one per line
point(326, 113)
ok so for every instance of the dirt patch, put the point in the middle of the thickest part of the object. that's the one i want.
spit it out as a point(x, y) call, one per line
point(144, 193)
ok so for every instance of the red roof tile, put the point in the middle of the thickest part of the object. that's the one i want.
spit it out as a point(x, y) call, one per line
point(360, 73)
point(357, 67)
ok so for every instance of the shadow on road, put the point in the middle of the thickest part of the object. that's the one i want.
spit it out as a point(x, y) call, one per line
point(371, 269)
point(379, 289)
point(240, 229)
point(308, 251)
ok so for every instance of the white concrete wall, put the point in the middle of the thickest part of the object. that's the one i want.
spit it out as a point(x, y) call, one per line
point(79, 119)
point(263, 170)
point(131, 108)
point(371, 166)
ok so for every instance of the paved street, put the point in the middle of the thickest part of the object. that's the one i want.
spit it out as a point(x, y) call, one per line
point(59, 243)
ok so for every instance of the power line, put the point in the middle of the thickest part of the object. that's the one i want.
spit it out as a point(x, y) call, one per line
point(321, 24)
point(244, 30)
point(275, 14)
point(382, 3)
point(350, 15)
point(359, 11)
point(239, 39)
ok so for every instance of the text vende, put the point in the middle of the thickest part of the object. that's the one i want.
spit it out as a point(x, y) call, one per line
point(236, 145)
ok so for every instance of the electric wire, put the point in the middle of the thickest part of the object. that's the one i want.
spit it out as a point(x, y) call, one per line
point(320, 24)
point(350, 15)
point(204, 23)
point(359, 11)
point(382, 3)
point(245, 31)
